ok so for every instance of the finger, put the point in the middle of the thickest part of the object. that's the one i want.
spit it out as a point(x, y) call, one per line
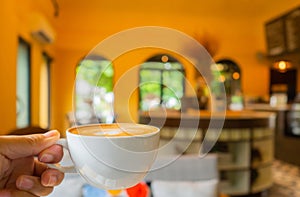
point(15, 147)
point(49, 177)
point(53, 154)
point(32, 185)
point(23, 166)
point(39, 168)
point(15, 193)
point(52, 177)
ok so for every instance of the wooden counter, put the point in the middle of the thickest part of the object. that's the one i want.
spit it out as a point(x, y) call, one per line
point(204, 119)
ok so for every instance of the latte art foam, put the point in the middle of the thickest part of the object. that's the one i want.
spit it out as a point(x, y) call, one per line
point(111, 130)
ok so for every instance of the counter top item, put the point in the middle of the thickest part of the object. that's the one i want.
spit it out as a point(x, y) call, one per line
point(268, 107)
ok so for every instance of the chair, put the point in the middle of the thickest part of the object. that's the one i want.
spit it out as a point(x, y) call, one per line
point(187, 176)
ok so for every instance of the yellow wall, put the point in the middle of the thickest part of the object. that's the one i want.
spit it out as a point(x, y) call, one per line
point(239, 38)
point(236, 40)
point(8, 65)
point(125, 79)
point(63, 76)
point(15, 23)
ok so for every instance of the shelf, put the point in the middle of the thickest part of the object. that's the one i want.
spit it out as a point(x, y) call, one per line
point(248, 161)
point(234, 156)
point(264, 179)
point(262, 152)
point(235, 135)
point(240, 135)
point(232, 167)
point(235, 182)
point(262, 133)
point(245, 149)
point(183, 134)
point(262, 165)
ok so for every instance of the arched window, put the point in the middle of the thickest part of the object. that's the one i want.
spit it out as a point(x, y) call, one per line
point(230, 75)
point(94, 91)
point(161, 83)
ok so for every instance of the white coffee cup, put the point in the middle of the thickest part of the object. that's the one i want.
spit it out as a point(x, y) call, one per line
point(110, 160)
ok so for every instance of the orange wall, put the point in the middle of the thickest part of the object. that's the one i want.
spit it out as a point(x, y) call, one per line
point(8, 65)
point(15, 23)
point(63, 76)
point(240, 42)
point(238, 38)
point(126, 80)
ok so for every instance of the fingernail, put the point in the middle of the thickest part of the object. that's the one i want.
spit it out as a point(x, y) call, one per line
point(50, 133)
point(46, 158)
point(52, 180)
point(25, 183)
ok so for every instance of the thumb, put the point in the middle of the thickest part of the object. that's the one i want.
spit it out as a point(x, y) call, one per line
point(15, 147)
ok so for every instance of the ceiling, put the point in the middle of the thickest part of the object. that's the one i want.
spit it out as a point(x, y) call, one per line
point(236, 8)
point(91, 17)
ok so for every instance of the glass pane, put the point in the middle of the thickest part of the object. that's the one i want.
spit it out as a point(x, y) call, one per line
point(94, 92)
point(45, 92)
point(168, 75)
point(23, 85)
point(150, 89)
point(173, 89)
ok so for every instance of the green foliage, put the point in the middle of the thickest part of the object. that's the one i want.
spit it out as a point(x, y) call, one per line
point(97, 73)
point(161, 82)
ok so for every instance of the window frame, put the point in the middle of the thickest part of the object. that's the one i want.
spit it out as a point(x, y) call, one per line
point(28, 47)
point(48, 62)
point(157, 58)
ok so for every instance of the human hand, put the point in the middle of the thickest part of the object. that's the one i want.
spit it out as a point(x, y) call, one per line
point(24, 174)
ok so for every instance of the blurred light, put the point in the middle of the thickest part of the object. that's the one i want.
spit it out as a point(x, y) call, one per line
point(222, 78)
point(235, 75)
point(282, 66)
point(164, 58)
point(220, 67)
point(168, 65)
point(217, 67)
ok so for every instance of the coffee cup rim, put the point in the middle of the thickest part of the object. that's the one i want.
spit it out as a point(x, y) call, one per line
point(155, 130)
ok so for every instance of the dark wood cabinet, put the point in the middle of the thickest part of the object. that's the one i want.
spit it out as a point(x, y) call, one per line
point(287, 80)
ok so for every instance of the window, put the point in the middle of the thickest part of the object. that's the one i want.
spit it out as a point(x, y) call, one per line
point(161, 83)
point(94, 91)
point(230, 74)
point(23, 85)
point(45, 92)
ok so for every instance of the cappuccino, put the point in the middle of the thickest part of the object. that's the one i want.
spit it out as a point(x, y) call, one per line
point(109, 156)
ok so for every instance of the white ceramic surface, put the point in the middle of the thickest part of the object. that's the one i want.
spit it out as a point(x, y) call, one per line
point(113, 162)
